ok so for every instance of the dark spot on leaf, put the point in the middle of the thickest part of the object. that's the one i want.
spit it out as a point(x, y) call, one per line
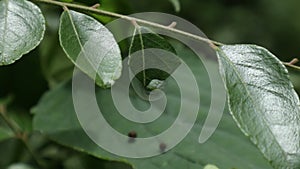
point(132, 135)
point(162, 147)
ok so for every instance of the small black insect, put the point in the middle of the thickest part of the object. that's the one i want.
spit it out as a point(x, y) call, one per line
point(162, 147)
point(132, 135)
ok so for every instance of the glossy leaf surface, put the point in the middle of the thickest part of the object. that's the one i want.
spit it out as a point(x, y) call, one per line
point(22, 27)
point(263, 102)
point(91, 47)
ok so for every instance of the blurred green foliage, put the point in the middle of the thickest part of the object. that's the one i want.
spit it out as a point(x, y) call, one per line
point(270, 23)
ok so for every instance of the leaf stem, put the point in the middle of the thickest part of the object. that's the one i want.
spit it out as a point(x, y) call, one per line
point(18, 134)
point(291, 65)
point(129, 18)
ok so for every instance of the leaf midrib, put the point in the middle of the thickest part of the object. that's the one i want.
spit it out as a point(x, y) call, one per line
point(75, 31)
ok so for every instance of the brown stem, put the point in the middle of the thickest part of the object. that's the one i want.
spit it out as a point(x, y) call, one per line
point(18, 133)
point(129, 18)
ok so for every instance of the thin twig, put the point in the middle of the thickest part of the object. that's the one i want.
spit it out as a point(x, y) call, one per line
point(129, 18)
point(96, 6)
point(294, 61)
point(211, 43)
point(18, 133)
point(9, 123)
point(134, 23)
point(290, 65)
point(172, 25)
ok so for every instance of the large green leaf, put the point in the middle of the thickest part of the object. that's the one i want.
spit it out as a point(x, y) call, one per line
point(227, 148)
point(91, 47)
point(263, 102)
point(144, 42)
point(82, 162)
point(22, 27)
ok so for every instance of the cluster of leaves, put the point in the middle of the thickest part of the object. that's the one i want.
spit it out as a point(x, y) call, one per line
point(261, 97)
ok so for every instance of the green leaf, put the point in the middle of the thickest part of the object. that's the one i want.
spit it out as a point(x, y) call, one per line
point(86, 162)
point(91, 47)
point(22, 27)
point(143, 39)
point(176, 4)
point(263, 102)
point(227, 148)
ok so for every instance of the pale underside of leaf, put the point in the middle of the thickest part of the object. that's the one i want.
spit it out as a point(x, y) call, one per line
point(22, 27)
point(91, 47)
point(263, 102)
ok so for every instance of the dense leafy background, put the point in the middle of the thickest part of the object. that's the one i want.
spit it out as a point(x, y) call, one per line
point(270, 23)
